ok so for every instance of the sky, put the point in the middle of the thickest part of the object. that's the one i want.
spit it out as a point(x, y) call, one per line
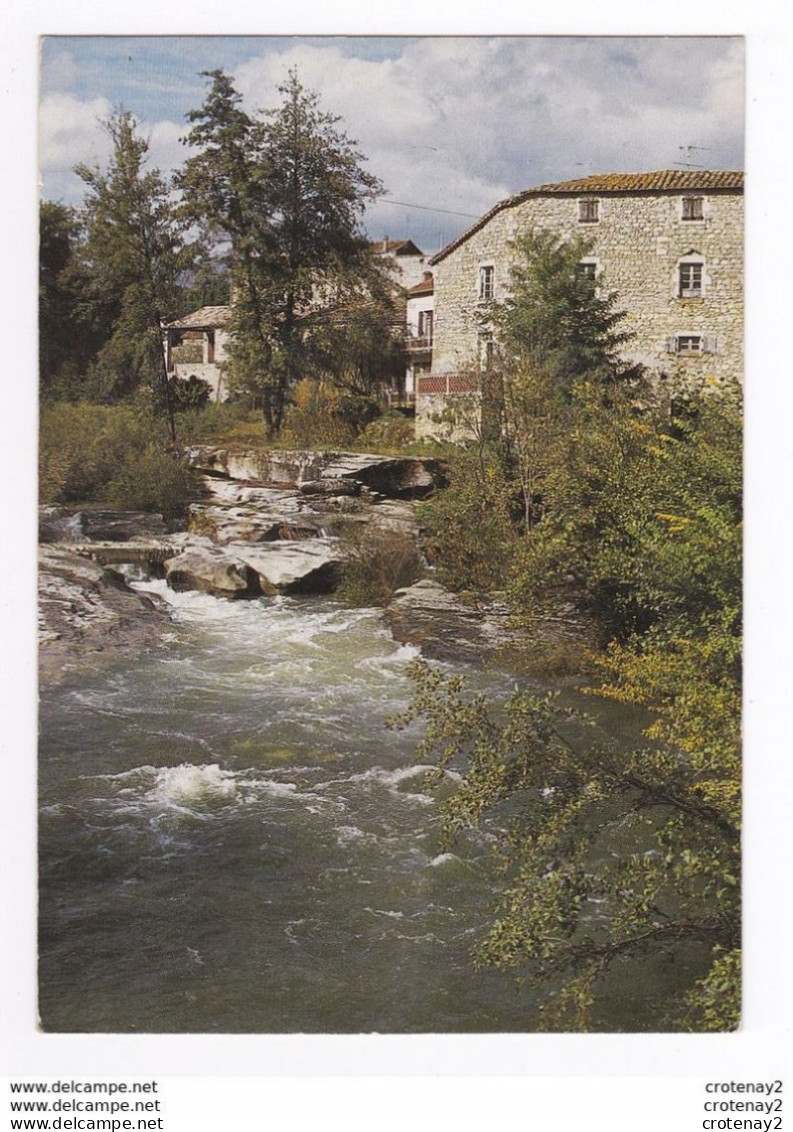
point(449, 125)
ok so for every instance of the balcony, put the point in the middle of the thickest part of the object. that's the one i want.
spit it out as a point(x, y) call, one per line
point(418, 343)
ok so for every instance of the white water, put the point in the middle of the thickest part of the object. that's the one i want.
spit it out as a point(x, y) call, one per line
point(232, 840)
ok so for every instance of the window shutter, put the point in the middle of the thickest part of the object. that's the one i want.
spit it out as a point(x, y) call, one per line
point(671, 345)
point(709, 345)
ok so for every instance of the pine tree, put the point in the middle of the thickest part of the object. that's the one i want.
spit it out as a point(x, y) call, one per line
point(286, 193)
point(136, 252)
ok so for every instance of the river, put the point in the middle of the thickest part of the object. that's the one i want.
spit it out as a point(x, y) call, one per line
point(232, 841)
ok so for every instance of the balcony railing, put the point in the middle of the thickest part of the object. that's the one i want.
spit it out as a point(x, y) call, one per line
point(446, 383)
point(417, 343)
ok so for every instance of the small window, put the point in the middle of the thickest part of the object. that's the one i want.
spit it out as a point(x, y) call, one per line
point(693, 208)
point(588, 270)
point(425, 326)
point(588, 211)
point(690, 280)
point(487, 282)
point(691, 344)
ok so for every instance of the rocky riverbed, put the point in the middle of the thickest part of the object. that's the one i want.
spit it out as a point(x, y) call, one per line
point(264, 525)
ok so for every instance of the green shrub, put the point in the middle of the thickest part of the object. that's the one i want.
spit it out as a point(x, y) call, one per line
point(110, 454)
point(390, 432)
point(472, 532)
point(377, 562)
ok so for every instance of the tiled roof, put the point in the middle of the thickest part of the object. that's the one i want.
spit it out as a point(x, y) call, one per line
point(203, 317)
point(425, 287)
point(662, 180)
point(396, 247)
point(669, 180)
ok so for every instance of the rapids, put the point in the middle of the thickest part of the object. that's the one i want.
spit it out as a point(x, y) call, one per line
point(232, 841)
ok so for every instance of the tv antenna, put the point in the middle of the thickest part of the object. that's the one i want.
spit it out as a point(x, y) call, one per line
point(689, 151)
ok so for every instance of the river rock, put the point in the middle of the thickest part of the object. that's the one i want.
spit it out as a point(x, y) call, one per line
point(400, 477)
point(211, 571)
point(293, 567)
point(445, 627)
point(59, 524)
point(86, 611)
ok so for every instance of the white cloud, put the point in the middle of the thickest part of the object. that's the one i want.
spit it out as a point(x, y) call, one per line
point(461, 123)
point(70, 132)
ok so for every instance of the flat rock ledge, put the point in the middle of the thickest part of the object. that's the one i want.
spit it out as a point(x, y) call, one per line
point(446, 628)
point(87, 614)
point(324, 473)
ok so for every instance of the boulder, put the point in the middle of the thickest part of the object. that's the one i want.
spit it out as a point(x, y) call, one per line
point(211, 571)
point(445, 627)
point(305, 566)
point(87, 613)
point(395, 477)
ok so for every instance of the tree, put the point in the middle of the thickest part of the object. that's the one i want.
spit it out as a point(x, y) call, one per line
point(287, 192)
point(557, 329)
point(557, 320)
point(135, 249)
point(69, 336)
point(611, 856)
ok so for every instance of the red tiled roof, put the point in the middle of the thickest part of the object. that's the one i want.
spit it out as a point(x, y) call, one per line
point(669, 180)
point(425, 287)
point(396, 247)
point(662, 180)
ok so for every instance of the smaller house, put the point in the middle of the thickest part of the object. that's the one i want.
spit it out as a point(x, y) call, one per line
point(408, 260)
point(196, 346)
point(418, 342)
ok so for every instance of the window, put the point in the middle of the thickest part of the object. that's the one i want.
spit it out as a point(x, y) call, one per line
point(690, 279)
point(691, 344)
point(487, 275)
point(588, 269)
point(425, 326)
point(588, 211)
point(693, 208)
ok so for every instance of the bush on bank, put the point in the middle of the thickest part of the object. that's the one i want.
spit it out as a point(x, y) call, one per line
point(112, 454)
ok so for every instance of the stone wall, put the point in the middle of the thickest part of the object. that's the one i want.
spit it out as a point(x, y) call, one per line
point(637, 245)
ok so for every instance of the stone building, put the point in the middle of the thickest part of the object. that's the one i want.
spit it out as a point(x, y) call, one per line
point(196, 346)
point(670, 243)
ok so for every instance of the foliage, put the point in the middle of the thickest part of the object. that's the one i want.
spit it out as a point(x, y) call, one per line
point(610, 855)
point(110, 454)
point(222, 423)
point(324, 416)
point(135, 251)
point(471, 522)
point(391, 432)
point(604, 856)
point(189, 394)
point(377, 561)
point(557, 320)
point(69, 335)
point(287, 193)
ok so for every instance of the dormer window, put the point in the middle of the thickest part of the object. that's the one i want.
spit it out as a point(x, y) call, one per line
point(693, 208)
point(588, 211)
